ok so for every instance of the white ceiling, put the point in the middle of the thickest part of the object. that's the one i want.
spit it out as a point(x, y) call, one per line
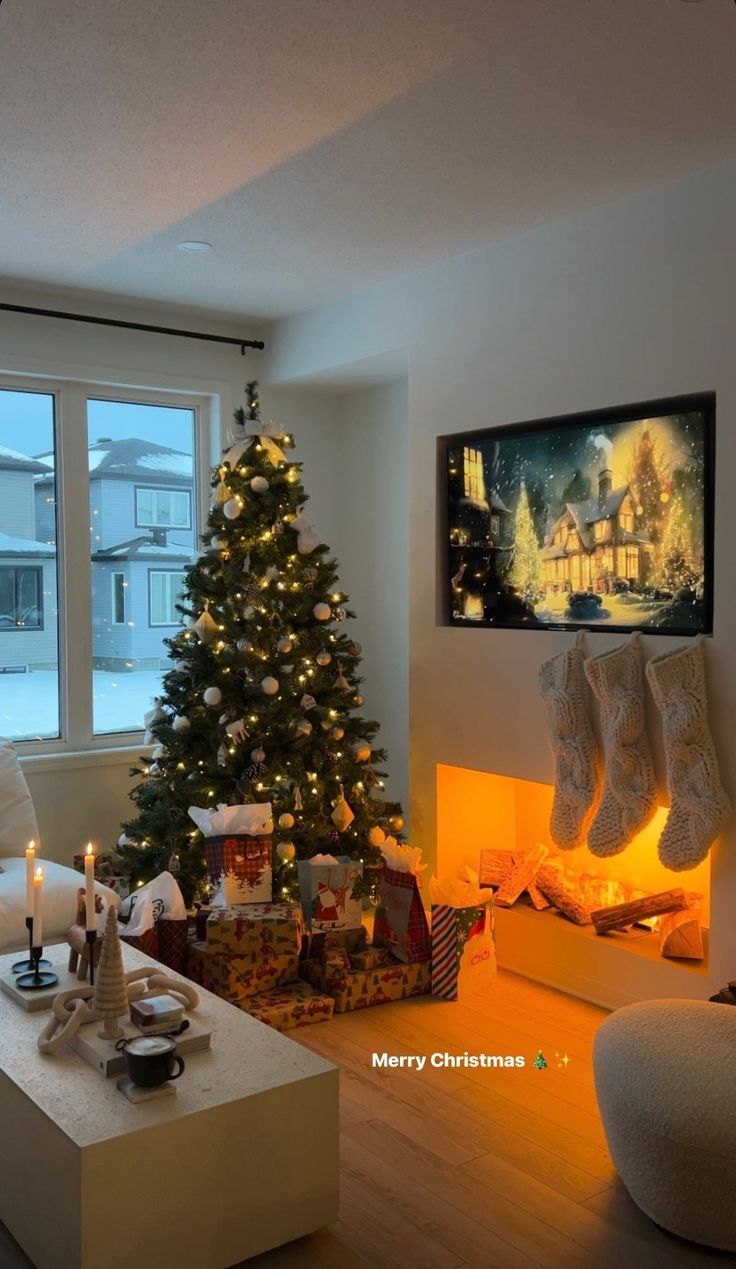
point(322, 145)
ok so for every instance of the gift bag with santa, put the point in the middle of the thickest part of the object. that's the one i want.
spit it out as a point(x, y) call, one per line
point(326, 885)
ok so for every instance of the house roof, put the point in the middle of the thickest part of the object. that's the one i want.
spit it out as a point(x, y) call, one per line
point(13, 460)
point(24, 546)
point(135, 459)
point(594, 509)
point(143, 548)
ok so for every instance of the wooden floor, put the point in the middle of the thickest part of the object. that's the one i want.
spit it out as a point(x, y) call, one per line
point(494, 1169)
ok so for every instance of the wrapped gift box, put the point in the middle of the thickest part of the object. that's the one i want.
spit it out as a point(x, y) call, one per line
point(358, 989)
point(236, 978)
point(297, 1005)
point(256, 930)
point(370, 958)
point(349, 941)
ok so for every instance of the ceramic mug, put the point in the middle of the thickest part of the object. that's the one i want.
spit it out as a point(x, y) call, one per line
point(151, 1060)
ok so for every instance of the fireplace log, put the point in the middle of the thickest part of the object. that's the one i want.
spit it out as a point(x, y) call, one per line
point(681, 936)
point(495, 866)
point(624, 914)
point(539, 901)
point(554, 889)
point(525, 868)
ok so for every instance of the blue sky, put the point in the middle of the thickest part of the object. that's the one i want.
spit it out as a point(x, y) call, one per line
point(26, 422)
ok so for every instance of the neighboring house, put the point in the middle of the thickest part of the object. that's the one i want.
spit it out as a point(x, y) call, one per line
point(480, 536)
point(593, 544)
point(142, 537)
point(27, 571)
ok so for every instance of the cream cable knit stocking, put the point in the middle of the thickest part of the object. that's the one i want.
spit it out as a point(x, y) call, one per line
point(629, 791)
point(565, 693)
point(699, 805)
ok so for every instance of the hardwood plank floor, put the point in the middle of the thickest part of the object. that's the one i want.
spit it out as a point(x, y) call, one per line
point(472, 1168)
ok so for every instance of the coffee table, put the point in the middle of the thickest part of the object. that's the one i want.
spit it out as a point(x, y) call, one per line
point(244, 1158)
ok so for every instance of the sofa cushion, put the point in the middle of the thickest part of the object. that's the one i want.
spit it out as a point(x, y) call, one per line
point(59, 902)
point(17, 816)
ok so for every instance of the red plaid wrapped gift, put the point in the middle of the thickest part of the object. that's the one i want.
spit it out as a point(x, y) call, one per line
point(401, 922)
point(239, 868)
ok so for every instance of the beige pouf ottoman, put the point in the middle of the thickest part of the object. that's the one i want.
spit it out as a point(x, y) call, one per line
point(665, 1076)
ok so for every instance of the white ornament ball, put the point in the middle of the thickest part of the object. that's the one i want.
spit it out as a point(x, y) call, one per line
point(322, 612)
point(232, 509)
point(216, 543)
point(286, 820)
point(376, 836)
point(181, 723)
point(259, 484)
point(269, 685)
point(337, 733)
point(287, 669)
point(286, 851)
point(244, 645)
point(361, 751)
point(284, 645)
point(303, 727)
point(249, 612)
point(323, 658)
point(212, 696)
point(258, 755)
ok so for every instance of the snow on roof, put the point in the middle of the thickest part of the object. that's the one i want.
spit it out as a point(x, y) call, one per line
point(179, 464)
point(12, 458)
point(24, 546)
point(134, 458)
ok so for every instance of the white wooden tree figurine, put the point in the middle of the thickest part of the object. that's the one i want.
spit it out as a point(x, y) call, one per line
point(111, 995)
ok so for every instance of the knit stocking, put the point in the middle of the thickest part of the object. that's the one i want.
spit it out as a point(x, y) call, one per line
point(699, 805)
point(629, 791)
point(565, 693)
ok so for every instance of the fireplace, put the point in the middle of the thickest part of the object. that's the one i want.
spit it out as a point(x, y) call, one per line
point(477, 810)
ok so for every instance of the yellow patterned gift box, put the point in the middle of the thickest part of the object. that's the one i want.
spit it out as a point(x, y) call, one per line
point(359, 989)
point(297, 1005)
point(236, 978)
point(255, 930)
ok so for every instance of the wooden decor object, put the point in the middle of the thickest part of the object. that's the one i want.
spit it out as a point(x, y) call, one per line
point(553, 888)
point(78, 946)
point(495, 866)
point(111, 996)
point(524, 870)
point(539, 901)
point(681, 936)
point(622, 915)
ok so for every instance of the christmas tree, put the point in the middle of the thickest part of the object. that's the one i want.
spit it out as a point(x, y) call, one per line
point(525, 574)
point(648, 484)
point(540, 1061)
point(260, 705)
point(677, 563)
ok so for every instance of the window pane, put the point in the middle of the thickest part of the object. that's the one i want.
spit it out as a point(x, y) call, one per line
point(29, 656)
point(141, 460)
point(118, 598)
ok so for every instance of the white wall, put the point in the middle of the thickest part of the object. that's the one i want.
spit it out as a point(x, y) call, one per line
point(627, 302)
point(372, 546)
point(75, 802)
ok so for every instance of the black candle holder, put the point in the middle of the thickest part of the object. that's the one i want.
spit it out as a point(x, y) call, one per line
point(23, 967)
point(91, 937)
point(38, 977)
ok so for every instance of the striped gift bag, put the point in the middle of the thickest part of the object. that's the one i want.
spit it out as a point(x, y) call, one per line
point(463, 949)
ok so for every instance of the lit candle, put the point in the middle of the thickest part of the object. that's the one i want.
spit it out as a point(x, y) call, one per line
point(89, 887)
point(38, 908)
point(30, 869)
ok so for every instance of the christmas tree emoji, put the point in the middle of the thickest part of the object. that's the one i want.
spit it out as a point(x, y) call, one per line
point(540, 1061)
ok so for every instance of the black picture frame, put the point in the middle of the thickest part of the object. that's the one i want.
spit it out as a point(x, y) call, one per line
point(586, 583)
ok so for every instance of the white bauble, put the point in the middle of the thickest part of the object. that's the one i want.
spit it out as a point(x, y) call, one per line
point(303, 727)
point(337, 733)
point(323, 658)
point(271, 573)
point(286, 851)
point(376, 836)
point(287, 669)
point(258, 755)
point(216, 543)
point(232, 509)
point(284, 645)
point(249, 612)
point(269, 685)
point(259, 484)
point(322, 612)
point(212, 696)
point(361, 751)
point(286, 820)
point(181, 723)
point(325, 724)
point(244, 645)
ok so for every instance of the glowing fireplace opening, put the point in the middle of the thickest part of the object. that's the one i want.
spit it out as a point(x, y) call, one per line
point(478, 809)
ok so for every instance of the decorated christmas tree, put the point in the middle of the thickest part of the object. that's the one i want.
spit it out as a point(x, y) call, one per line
point(525, 574)
point(261, 703)
point(648, 482)
point(677, 561)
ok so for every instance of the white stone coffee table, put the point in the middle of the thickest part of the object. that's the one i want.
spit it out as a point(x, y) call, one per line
point(244, 1158)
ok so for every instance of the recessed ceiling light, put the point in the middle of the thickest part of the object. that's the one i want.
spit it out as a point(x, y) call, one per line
point(194, 246)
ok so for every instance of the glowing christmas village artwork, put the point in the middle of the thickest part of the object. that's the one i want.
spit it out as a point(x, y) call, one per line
point(602, 520)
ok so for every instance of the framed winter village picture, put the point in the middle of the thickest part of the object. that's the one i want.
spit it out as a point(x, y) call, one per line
point(596, 520)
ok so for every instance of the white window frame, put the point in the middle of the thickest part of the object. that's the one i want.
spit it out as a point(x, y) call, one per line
point(159, 524)
point(162, 572)
point(113, 598)
point(210, 402)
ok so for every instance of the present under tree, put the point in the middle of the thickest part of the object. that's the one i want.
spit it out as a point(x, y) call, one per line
point(262, 702)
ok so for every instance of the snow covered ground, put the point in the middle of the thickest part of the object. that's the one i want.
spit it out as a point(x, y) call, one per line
point(615, 610)
point(29, 702)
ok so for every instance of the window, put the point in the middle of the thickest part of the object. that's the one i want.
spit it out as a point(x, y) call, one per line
point(163, 508)
point(119, 586)
point(600, 530)
point(164, 590)
point(29, 651)
point(474, 479)
point(21, 599)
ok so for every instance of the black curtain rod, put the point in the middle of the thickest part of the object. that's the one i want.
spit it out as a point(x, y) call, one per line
point(242, 344)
